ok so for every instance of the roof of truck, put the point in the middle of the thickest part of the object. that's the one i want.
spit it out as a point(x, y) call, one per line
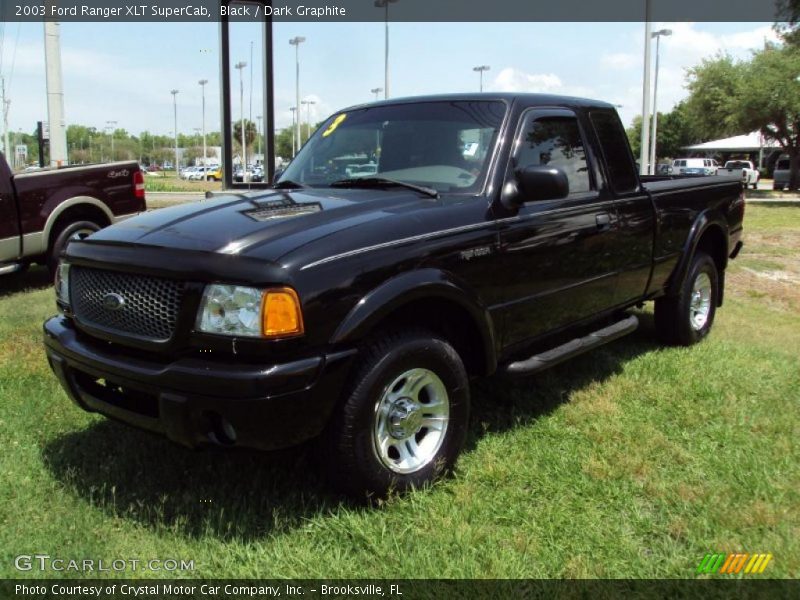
point(529, 99)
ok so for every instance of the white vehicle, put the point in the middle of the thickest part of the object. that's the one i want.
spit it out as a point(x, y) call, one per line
point(188, 172)
point(745, 170)
point(694, 166)
point(364, 170)
point(197, 173)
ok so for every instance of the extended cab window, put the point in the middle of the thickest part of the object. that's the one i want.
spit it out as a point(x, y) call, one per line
point(614, 144)
point(555, 142)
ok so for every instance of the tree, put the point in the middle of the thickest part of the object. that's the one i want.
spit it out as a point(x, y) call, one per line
point(249, 132)
point(770, 100)
point(713, 104)
point(789, 19)
point(675, 132)
point(761, 94)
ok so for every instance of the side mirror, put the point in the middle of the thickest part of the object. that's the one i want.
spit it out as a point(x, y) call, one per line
point(277, 175)
point(537, 183)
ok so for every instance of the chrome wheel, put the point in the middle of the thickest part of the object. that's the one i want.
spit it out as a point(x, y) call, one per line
point(700, 303)
point(411, 421)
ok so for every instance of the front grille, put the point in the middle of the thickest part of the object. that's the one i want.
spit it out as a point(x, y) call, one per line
point(135, 305)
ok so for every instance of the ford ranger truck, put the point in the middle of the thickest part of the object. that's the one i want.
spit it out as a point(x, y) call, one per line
point(497, 234)
point(42, 211)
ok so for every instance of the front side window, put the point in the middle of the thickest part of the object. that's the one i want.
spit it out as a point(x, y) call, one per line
point(555, 142)
point(442, 145)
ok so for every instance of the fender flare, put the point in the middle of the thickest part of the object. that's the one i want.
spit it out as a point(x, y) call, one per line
point(705, 221)
point(52, 218)
point(416, 285)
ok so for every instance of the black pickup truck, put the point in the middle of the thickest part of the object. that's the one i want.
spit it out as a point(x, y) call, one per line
point(410, 246)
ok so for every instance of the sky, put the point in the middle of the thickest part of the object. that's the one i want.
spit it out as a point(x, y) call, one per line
point(124, 72)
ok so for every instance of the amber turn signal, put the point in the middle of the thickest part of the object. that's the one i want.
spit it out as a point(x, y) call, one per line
point(281, 313)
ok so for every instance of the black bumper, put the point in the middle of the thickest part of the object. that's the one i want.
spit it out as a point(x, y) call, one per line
point(195, 402)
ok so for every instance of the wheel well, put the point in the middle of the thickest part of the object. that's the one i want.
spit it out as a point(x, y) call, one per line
point(713, 243)
point(77, 212)
point(448, 319)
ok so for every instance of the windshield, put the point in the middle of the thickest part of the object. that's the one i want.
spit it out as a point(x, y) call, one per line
point(441, 145)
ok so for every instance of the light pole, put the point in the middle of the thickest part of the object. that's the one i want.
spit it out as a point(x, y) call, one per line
point(657, 35)
point(175, 111)
point(111, 128)
point(376, 91)
point(308, 104)
point(203, 83)
point(385, 5)
point(294, 129)
point(240, 66)
point(480, 71)
point(643, 154)
point(258, 133)
point(296, 41)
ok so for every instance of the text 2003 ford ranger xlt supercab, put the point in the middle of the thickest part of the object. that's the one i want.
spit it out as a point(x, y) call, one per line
point(496, 233)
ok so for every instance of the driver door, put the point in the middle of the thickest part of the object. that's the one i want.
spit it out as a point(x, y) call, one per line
point(557, 255)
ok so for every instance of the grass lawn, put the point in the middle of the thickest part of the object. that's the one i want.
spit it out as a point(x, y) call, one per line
point(632, 461)
point(167, 181)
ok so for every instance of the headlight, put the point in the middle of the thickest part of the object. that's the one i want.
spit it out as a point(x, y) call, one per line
point(244, 311)
point(62, 283)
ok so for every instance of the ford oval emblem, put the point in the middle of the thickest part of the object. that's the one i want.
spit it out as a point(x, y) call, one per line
point(113, 302)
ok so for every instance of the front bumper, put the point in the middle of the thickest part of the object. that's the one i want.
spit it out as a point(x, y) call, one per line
point(196, 401)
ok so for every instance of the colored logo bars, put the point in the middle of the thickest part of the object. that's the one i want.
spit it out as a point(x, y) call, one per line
point(734, 563)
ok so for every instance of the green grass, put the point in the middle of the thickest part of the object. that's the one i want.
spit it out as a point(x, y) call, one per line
point(632, 461)
point(167, 181)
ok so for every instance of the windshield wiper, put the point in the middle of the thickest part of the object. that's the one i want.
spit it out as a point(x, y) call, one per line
point(383, 182)
point(287, 184)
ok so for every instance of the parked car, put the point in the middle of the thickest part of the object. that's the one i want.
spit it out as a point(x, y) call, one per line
point(356, 310)
point(44, 210)
point(694, 166)
point(780, 177)
point(214, 173)
point(744, 169)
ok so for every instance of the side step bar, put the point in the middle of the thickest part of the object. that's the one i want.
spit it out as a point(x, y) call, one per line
point(539, 362)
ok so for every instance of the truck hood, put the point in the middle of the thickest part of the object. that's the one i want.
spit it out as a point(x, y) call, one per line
point(266, 223)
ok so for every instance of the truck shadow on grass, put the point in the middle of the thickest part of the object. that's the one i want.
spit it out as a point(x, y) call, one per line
point(244, 495)
point(35, 278)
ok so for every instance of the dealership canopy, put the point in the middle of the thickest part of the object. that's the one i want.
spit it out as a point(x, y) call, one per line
point(751, 142)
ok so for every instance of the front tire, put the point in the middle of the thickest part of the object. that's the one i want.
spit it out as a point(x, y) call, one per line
point(686, 318)
point(404, 419)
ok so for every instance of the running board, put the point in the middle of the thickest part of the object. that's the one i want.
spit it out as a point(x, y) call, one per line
point(539, 362)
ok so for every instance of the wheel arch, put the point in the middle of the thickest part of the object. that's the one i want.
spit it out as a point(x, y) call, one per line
point(75, 209)
point(429, 298)
point(708, 234)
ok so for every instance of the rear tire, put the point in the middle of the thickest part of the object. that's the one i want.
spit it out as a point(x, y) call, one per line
point(686, 318)
point(403, 421)
point(66, 233)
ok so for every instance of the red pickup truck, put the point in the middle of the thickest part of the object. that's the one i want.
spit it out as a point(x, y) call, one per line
point(41, 211)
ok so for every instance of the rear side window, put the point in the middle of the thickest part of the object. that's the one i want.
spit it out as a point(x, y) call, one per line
point(614, 145)
point(783, 164)
point(555, 142)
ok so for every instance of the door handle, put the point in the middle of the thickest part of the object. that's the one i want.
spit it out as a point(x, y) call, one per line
point(603, 221)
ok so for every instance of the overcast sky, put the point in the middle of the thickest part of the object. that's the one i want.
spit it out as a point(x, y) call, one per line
point(124, 72)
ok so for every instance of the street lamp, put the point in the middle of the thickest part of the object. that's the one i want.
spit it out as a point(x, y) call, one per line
point(240, 66)
point(296, 41)
point(175, 110)
point(110, 125)
point(294, 129)
point(385, 5)
point(376, 91)
point(258, 133)
point(657, 35)
point(480, 71)
point(308, 104)
point(202, 84)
